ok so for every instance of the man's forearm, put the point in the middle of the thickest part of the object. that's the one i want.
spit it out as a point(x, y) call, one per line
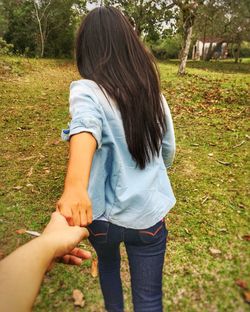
point(21, 274)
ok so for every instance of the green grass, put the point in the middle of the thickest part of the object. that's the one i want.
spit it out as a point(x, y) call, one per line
point(210, 108)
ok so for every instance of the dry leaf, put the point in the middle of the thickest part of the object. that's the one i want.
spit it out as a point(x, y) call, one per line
point(29, 174)
point(226, 163)
point(78, 298)
point(242, 142)
point(204, 200)
point(27, 158)
point(246, 295)
point(214, 251)
point(56, 142)
point(241, 284)
point(21, 231)
point(94, 268)
point(246, 237)
point(18, 187)
point(210, 154)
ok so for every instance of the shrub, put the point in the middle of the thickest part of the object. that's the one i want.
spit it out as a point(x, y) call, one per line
point(168, 48)
point(5, 48)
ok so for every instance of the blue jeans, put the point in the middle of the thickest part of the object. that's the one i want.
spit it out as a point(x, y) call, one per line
point(145, 249)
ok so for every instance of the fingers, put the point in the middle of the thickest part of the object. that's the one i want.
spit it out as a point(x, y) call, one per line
point(65, 211)
point(79, 233)
point(57, 216)
point(81, 253)
point(70, 221)
point(69, 259)
point(75, 257)
point(83, 218)
point(86, 215)
point(76, 215)
point(89, 215)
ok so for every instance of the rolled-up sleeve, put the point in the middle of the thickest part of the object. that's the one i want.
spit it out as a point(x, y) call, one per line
point(168, 143)
point(85, 111)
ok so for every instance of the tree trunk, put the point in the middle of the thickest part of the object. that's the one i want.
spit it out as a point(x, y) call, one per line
point(204, 39)
point(185, 50)
point(40, 30)
point(237, 54)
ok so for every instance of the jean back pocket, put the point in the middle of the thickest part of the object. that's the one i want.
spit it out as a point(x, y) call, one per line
point(98, 231)
point(153, 233)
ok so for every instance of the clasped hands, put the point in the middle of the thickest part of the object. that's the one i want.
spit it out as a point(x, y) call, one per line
point(63, 239)
point(67, 226)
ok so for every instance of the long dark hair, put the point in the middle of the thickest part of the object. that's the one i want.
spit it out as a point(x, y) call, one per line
point(109, 52)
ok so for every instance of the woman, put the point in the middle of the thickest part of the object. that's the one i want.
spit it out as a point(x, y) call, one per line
point(121, 141)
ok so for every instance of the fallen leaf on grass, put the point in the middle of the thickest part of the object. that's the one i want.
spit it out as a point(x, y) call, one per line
point(204, 200)
point(241, 143)
point(26, 158)
point(226, 163)
point(246, 237)
point(214, 251)
point(78, 298)
point(21, 231)
point(94, 268)
point(29, 174)
point(246, 295)
point(18, 187)
point(241, 284)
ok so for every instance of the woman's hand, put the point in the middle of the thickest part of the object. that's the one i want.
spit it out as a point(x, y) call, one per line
point(75, 206)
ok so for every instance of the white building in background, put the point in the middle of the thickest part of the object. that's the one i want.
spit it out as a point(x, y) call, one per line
point(218, 45)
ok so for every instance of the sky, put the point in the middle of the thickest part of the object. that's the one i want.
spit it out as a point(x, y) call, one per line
point(91, 6)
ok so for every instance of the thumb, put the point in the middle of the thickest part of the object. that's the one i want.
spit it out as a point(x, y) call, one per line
point(80, 232)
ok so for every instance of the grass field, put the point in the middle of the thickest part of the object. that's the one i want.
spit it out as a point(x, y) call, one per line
point(206, 252)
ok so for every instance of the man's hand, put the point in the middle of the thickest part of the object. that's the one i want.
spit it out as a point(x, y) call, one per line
point(75, 206)
point(64, 238)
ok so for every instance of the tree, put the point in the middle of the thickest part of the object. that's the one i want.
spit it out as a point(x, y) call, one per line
point(149, 18)
point(53, 17)
point(20, 29)
point(238, 19)
point(189, 11)
point(42, 27)
point(227, 20)
point(207, 26)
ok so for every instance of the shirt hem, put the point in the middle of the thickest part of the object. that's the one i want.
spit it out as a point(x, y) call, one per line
point(146, 225)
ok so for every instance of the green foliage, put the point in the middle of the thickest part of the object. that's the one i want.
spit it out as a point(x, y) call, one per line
point(147, 17)
point(167, 48)
point(5, 48)
point(225, 19)
point(58, 19)
point(245, 49)
point(21, 28)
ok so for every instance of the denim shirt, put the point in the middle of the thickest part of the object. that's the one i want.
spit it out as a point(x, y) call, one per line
point(119, 191)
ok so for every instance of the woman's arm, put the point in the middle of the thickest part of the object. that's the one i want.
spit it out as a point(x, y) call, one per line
point(21, 272)
point(168, 143)
point(85, 135)
point(74, 203)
